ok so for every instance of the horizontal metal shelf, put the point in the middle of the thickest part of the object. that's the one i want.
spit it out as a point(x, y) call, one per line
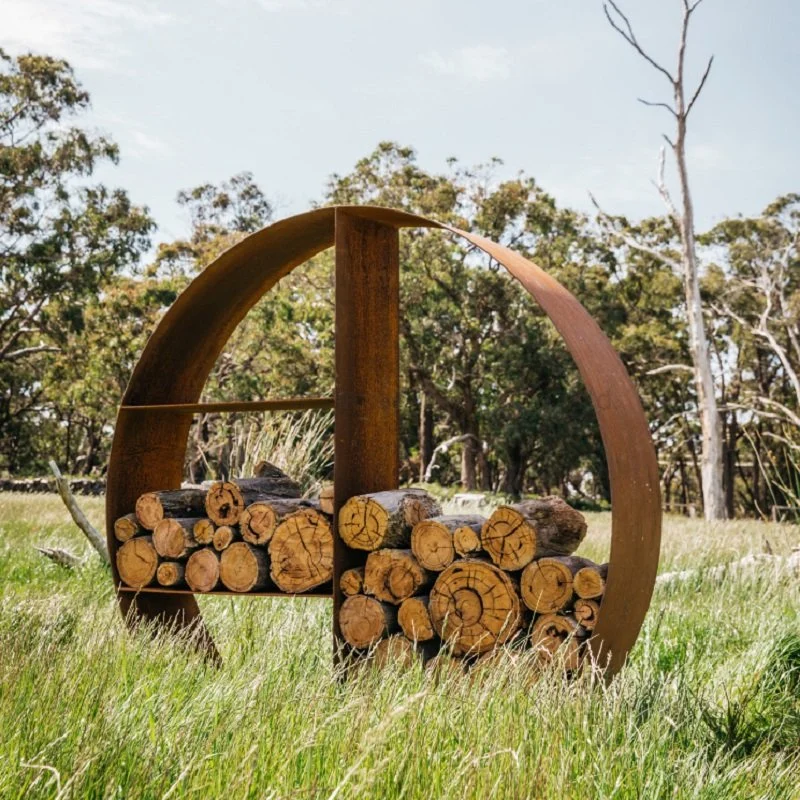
point(324, 594)
point(286, 404)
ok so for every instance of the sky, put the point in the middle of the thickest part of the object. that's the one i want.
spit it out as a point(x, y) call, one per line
point(295, 90)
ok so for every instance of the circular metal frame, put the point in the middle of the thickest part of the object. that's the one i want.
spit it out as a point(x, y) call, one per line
point(148, 448)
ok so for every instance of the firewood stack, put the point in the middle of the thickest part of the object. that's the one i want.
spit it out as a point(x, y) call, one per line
point(244, 535)
point(463, 584)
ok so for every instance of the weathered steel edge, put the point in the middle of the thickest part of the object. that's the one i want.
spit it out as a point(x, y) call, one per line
point(148, 449)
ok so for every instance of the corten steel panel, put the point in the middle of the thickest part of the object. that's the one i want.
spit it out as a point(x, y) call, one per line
point(367, 427)
point(148, 447)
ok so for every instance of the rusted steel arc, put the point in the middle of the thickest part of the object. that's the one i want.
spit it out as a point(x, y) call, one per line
point(289, 404)
point(147, 453)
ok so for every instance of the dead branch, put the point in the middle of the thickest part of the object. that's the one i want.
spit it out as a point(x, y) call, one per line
point(61, 557)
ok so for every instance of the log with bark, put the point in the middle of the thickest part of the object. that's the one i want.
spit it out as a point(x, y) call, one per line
point(514, 535)
point(558, 635)
point(226, 500)
point(590, 582)
point(546, 585)
point(259, 519)
point(433, 540)
point(152, 507)
point(137, 562)
point(244, 568)
point(224, 536)
point(467, 541)
point(351, 581)
point(384, 519)
point(127, 527)
point(202, 570)
point(171, 574)
point(393, 575)
point(174, 538)
point(474, 606)
point(415, 619)
point(364, 621)
point(301, 552)
point(586, 612)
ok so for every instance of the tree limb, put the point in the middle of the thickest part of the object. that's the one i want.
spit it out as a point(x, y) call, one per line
point(670, 368)
point(701, 85)
point(61, 557)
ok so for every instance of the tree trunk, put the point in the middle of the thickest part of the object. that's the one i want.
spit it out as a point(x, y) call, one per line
point(226, 500)
point(394, 575)
point(152, 507)
point(514, 535)
point(468, 471)
point(474, 606)
point(384, 519)
point(301, 552)
point(243, 568)
point(432, 540)
point(137, 562)
point(364, 621)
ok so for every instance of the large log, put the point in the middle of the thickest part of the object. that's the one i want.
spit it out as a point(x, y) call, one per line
point(393, 575)
point(558, 635)
point(590, 582)
point(301, 552)
point(474, 606)
point(433, 540)
point(202, 570)
point(137, 562)
point(152, 507)
point(384, 519)
point(174, 538)
point(244, 568)
point(364, 621)
point(226, 500)
point(259, 520)
point(351, 582)
point(514, 535)
point(415, 619)
point(170, 574)
point(127, 527)
point(546, 585)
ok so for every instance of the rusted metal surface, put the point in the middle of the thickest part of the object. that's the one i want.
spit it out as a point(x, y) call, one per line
point(148, 448)
point(234, 406)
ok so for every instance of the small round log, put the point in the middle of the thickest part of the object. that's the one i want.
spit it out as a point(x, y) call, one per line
point(202, 570)
point(244, 568)
point(223, 537)
point(127, 527)
point(384, 519)
point(415, 619)
point(467, 540)
point(590, 582)
point(432, 540)
point(152, 507)
point(301, 552)
point(170, 573)
point(174, 538)
point(259, 520)
point(586, 612)
point(474, 606)
point(226, 500)
point(204, 531)
point(351, 582)
point(364, 621)
point(558, 634)
point(137, 562)
point(394, 575)
point(546, 584)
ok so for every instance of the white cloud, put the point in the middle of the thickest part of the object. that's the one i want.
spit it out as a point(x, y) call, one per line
point(85, 32)
point(481, 62)
point(293, 5)
point(144, 144)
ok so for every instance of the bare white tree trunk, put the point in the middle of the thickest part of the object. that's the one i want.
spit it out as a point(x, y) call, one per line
point(710, 423)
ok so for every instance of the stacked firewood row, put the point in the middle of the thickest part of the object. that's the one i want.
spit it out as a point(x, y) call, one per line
point(243, 535)
point(464, 584)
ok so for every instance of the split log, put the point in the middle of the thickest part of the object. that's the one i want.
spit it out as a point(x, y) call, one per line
point(394, 575)
point(226, 500)
point(224, 536)
point(546, 585)
point(244, 568)
point(202, 570)
point(415, 619)
point(127, 527)
point(586, 612)
point(326, 498)
point(301, 552)
point(259, 520)
point(170, 573)
point(395, 650)
point(364, 621)
point(137, 562)
point(384, 519)
point(204, 531)
point(514, 535)
point(351, 582)
point(152, 507)
point(433, 540)
point(467, 540)
point(174, 538)
point(590, 582)
point(552, 632)
point(474, 606)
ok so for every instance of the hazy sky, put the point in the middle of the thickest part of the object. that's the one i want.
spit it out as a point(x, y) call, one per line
point(293, 90)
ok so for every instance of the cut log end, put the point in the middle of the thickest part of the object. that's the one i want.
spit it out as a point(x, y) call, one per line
point(137, 562)
point(590, 582)
point(586, 612)
point(509, 539)
point(202, 570)
point(243, 568)
point(223, 537)
point(474, 606)
point(204, 531)
point(224, 503)
point(364, 621)
point(546, 584)
point(466, 541)
point(301, 552)
point(127, 527)
point(393, 575)
point(351, 582)
point(415, 620)
point(174, 538)
point(363, 523)
point(152, 507)
point(258, 522)
point(170, 573)
point(326, 499)
point(432, 544)
point(557, 635)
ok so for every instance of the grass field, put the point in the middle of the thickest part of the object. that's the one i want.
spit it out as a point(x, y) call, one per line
point(708, 707)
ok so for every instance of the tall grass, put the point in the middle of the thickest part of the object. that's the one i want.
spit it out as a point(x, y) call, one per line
point(708, 707)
